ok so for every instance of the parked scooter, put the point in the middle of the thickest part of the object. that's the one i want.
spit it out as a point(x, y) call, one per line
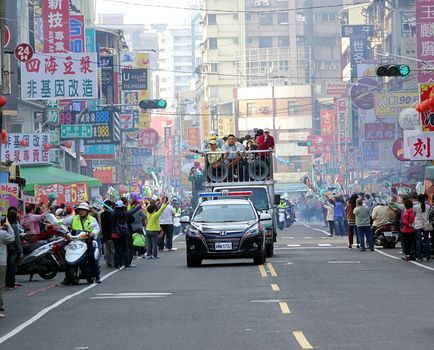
point(75, 258)
point(386, 235)
point(40, 258)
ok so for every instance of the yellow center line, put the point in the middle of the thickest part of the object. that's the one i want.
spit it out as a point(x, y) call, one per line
point(275, 287)
point(284, 308)
point(272, 270)
point(262, 270)
point(302, 341)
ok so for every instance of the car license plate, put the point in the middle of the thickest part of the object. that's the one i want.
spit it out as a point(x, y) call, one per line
point(223, 246)
point(388, 234)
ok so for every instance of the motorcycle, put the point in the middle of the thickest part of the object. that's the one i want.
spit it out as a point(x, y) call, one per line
point(75, 258)
point(40, 258)
point(386, 235)
point(281, 218)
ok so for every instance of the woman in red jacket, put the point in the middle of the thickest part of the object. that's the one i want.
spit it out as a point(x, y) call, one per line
point(408, 230)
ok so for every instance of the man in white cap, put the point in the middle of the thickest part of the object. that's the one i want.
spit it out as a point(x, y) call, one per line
point(84, 222)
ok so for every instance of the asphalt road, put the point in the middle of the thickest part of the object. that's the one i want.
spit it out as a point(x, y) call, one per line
point(315, 293)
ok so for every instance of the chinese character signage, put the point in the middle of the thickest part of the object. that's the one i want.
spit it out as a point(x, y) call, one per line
point(36, 151)
point(328, 122)
point(225, 126)
point(371, 151)
point(421, 146)
point(8, 197)
point(425, 39)
point(134, 157)
point(78, 41)
point(107, 79)
point(67, 76)
point(107, 151)
point(127, 120)
point(55, 23)
point(148, 138)
point(104, 174)
point(379, 132)
point(336, 88)
point(341, 108)
point(348, 31)
point(102, 126)
point(134, 79)
point(193, 137)
point(427, 118)
point(318, 143)
point(391, 103)
point(67, 194)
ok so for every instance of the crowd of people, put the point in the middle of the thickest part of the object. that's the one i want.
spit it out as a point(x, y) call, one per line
point(123, 229)
point(360, 216)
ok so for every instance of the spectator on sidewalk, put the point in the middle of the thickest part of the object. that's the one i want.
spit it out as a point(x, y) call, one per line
point(166, 223)
point(14, 251)
point(351, 219)
point(408, 230)
point(153, 228)
point(6, 236)
point(330, 215)
point(339, 215)
point(107, 230)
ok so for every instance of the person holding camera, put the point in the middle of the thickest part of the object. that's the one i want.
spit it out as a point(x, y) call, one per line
point(153, 227)
point(7, 235)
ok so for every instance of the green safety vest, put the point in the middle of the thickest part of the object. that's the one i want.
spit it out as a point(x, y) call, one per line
point(79, 225)
point(282, 206)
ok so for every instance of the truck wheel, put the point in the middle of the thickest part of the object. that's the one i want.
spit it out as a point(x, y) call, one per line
point(269, 249)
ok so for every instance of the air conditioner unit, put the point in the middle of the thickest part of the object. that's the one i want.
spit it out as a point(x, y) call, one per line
point(258, 3)
point(265, 3)
point(263, 109)
point(236, 40)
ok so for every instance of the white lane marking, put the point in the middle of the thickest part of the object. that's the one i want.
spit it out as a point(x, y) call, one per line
point(266, 301)
point(301, 248)
point(137, 294)
point(286, 237)
point(288, 263)
point(316, 229)
point(176, 237)
point(44, 311)
point(129, 297)
point(293, 245)
point(324, 245)
point(343, 262)
point(307, 237)
point(397, 258)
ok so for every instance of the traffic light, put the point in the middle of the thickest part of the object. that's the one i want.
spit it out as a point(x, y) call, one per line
point(153, 104)
point(393, 70)
point(191, 156)
point(304, 143)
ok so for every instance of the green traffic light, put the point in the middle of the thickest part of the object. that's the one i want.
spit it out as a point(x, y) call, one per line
point(162, 103)
point(308, 143)
point(195, 156)
point(404, 70)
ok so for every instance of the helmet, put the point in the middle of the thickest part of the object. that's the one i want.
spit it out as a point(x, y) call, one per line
point(84, 206)
point(119, 204)
point(58, 212)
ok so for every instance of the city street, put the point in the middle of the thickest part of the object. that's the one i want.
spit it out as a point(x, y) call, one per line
point(314, 293)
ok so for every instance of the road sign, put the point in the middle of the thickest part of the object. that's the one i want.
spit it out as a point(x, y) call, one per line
point(154, 169)
point(23, 52)
point(148, 138)
point(75, 131)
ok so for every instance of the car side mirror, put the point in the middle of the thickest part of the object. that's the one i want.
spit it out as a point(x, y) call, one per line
point(276, 199)
point(185, 219)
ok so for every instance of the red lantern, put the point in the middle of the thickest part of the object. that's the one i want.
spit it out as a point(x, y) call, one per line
point(3, 101)
point(4, 136)
point(24, 143)
point(68, 143)
point(122, 189)
point(47, 147)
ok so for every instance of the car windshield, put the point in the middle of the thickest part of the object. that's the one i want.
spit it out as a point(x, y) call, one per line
point(259, 197)
point(224, 213)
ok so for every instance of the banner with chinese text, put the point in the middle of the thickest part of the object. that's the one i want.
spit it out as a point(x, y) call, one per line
point(60, 76)
point(425, 39)
point(67, 194)
point(193, 137)
point(391, 103)
point(426, 91)
point(78, 40)
point(419, 145)
point(328, 122)
point(34, 153)
point(9, 194)
point(55, 24)
point(379, 132)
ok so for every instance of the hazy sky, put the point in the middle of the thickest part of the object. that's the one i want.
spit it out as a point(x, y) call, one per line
point(144, 14)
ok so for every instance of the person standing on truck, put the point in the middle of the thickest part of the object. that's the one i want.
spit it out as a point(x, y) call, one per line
point(233, 156)
point(213, 136)
point(266, 141)
point(214, 159)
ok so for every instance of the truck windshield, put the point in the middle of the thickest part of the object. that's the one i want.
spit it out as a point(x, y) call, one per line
point(259, 196)
point(224, 213)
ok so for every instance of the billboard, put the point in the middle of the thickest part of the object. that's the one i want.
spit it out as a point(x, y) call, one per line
point(55, 24)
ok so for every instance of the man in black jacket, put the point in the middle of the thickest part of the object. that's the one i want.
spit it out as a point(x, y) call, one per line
point(106, 228)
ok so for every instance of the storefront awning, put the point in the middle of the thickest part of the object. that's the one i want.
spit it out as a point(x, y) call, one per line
point(48, 175)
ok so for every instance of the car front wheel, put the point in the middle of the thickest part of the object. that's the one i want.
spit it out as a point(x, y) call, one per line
point(193, 261)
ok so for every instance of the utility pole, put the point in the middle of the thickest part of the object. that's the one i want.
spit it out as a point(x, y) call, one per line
point(2, 28)
point(273, 106)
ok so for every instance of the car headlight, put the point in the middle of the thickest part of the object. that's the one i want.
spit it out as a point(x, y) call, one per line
point(252, 231)
point(193, 231)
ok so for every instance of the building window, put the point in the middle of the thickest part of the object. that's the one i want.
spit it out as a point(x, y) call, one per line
point(283, 41)
point(212, 19)
point(251, 109)
point(282, 18)
point(16, 128)
point(265, 41)
point(266, 19)
point(293, 108)
point(213, 91)
point(248, 16)
point(300, 40)
point(212, 43)
point(214, 67)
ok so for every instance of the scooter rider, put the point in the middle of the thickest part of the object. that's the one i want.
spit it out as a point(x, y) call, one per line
point(84, 222)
